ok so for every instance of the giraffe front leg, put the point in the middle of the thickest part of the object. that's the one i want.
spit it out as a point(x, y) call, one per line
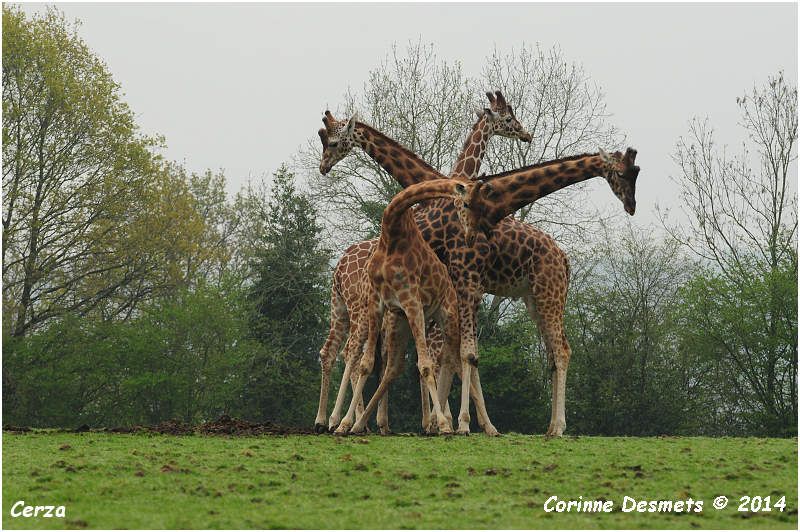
point(469, 358)
point(337, 408)
point(364, 368)
point(443, 384)
point(352, 357)
point(395, 338)
point(389, 375)
point(435, 340)
point(428, 426)
point(480, 405)
point(477, 397)
point(416, 321)
point(394, 364)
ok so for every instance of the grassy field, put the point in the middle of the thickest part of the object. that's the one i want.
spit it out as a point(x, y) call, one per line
point(144, 481)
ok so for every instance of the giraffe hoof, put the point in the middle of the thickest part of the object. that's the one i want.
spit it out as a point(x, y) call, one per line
point(320, 428)
point(489, 430)
point(342, 430)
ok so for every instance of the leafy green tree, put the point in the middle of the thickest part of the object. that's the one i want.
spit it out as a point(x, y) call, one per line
point(92, 221)
point(183, 357)
point(626, 375)
point(746, 345)
point(288, 296)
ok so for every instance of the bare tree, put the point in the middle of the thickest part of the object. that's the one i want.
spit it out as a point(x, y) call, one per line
point(743, 213)
point(566, 114)
point(428, 103)
point(738, 210)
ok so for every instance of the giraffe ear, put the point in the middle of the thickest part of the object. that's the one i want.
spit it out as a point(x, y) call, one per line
point(605, 156)
point(323, 136)
point(491, 114)
point(460, 189)
point(351, 125)
point(488, 190)
point(630, 156)
point(479, 112)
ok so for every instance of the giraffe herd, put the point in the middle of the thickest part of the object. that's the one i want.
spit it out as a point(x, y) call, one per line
point(427, 273)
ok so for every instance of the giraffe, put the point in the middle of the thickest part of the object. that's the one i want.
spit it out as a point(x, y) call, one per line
point(495, 197)
point(348, 277)
point(406, 277)
point(518, 261)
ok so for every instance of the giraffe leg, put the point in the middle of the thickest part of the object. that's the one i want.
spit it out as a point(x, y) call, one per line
point(393, 369)
point(327, 355)
point(476, 392)
point(454, 349)
point(360, 404)
point(372, 317)
point(388, 328)
point(480, 405)
point(435, 340)
point(468, 352)
point(548, 314)
point(562, 364)
point(428, 425)
point(352, 356)
point(443, 384)
point(337, 408)
point(426, 365)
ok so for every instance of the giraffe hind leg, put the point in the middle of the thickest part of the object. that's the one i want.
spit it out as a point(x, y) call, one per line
point(548, 313)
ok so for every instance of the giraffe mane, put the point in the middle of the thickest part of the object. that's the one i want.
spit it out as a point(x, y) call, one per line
point(540, 165)
point(408, 153)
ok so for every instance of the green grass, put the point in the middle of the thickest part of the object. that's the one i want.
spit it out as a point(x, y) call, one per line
point(141, 481)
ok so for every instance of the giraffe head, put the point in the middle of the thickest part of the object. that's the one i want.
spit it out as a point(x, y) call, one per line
point(469, 208)
point(337, 139)
point(500, 116)
point(464, 190)
point(621, 173)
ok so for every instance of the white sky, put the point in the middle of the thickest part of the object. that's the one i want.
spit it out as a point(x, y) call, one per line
point(242, 86)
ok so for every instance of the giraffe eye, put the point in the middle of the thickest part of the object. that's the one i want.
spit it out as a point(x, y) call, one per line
point(333, 144)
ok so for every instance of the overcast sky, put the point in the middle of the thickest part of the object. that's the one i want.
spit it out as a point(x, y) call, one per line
point(241, 87)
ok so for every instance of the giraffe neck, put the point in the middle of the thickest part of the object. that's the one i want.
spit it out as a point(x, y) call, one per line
point(398, 221)
point(400, 162)
point(513, 190)
point(469, 160)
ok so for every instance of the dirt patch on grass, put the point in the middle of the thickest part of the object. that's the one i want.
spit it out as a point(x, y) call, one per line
point(16, 430)
point(224, 425)
point(238, 427)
